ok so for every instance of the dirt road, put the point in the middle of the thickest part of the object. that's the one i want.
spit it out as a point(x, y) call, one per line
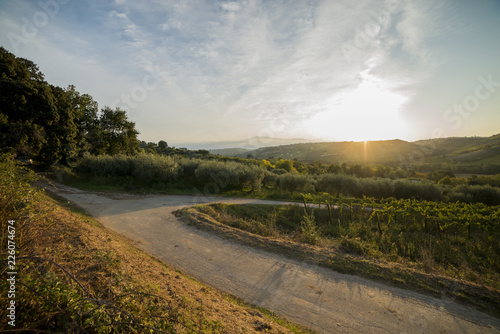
point(316, 297)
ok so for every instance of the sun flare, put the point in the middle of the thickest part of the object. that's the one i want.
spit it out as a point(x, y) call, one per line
point(369, 112)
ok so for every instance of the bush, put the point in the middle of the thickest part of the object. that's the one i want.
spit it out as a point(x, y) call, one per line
point(418, 190)
point(292, 182)
point(16, 194)
point(309, 229)
point(336, 184)
point(189, 166)
point(255, 176)
point(478, 194)
point(269, 179)
point(144, 167)
point(154, 168)
point(378, 188)
point(230, 175)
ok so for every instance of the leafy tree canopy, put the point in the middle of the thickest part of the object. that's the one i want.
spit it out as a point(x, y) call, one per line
point(52, 124)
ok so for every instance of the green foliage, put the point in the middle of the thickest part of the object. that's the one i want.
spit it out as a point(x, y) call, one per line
point(484, 180)
point(309, 229)
point(335, 184)
point(293, 182)
point(452, 238)
point(16, 195)
point(418, 190)
point(52, 124)
point(118, 135)
point(285, 164)
point(446, 181)
point(477, 194)
point(440, 174)
point(230, 175)
point(192, 170)
point(143, 168)
point(189, 166)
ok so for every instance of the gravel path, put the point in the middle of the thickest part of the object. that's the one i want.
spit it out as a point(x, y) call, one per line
point(316, 297)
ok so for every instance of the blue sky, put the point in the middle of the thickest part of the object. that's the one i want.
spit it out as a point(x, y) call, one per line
point(191, 71)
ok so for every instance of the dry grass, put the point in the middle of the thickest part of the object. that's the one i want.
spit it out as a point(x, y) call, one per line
point(129, 286)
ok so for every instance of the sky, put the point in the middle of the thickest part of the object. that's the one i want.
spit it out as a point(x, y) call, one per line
point(202, 71)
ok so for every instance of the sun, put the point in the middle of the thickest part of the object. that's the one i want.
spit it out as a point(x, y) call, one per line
point(369, 112)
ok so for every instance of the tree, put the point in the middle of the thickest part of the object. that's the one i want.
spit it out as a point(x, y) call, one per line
point(292, 182)
point(86, 119)
point(62, 135)
point(162, 147)
point(118, 134)
point(334, 169)
point(27, 108)
point(286, 165)
point(52, 124)
point(337, 184)
point(151, 148)
point(317, 168)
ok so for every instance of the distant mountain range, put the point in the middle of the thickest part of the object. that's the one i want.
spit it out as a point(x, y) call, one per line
point(241, 145)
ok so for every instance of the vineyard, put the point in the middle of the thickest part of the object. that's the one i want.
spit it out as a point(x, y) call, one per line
point(456, 239)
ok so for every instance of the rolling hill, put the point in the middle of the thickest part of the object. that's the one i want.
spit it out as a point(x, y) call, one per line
point(375, 151)
point(478, 150)
point(467, 151)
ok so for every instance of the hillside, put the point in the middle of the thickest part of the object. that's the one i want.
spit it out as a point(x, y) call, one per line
point(479, 150)
point(436, 152)
point(372, 151)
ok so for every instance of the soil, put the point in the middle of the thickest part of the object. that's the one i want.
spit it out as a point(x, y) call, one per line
point(313, 296)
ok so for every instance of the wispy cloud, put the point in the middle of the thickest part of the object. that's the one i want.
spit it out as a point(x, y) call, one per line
point(258, 60)
point(273, 66)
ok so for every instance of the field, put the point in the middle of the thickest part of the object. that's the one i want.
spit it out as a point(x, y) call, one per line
point(394, 247)
point(449, 239)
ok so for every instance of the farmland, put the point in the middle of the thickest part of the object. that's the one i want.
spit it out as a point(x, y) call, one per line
point(459, 241)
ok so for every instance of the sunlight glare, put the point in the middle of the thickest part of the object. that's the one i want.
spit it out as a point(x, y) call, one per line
point(369, 112)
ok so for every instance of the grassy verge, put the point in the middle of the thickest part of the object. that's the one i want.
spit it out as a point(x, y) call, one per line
point(273, 228)
point(73, 275)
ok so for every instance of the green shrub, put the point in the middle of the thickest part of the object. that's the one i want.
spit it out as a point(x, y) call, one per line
point(372, 187)
point(144, 167)
point(189, 166)
point(337, 184)
point(419, 190)
point(309, 229)
point(230, 175)
point(16, 194)
point(293, 182)
point(154, 168)
point(479, 194)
